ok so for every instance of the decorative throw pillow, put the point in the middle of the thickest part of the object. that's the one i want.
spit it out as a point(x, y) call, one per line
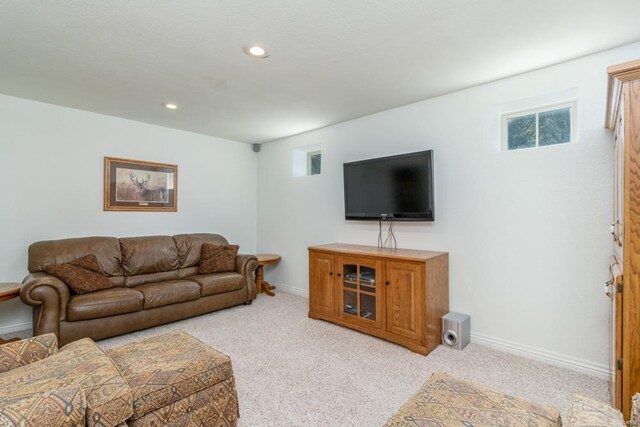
point(217, 258)
point(587, 412)
point(83, 275)
point(88, 262)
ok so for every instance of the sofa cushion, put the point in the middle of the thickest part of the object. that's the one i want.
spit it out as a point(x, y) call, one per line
point(218, 283)
point(141, 279)
point(151, 254)
point(217, 258)
point(444, 400)
point(80, 364)
point(83, 275)
point(166, 368)
point(106, 250)
point(190, 245)
point(56, 408)
point(587, 412)
point(171, 292)
point(24, 352)
point(108, 302)
point(186, 272)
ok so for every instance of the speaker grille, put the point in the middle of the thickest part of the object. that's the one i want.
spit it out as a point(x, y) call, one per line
point(450, 337)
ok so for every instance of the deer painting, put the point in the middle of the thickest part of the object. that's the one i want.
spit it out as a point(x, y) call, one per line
point(147, 192)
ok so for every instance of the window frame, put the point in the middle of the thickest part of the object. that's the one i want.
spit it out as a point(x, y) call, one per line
point(572, 105)
point(310, 154)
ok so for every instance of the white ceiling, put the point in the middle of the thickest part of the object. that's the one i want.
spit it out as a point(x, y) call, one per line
point(331, 60)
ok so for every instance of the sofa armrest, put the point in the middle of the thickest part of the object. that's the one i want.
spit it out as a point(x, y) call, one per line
point(50, 295)
point(246, 265)
point(65, 406)
point(635, 411)
point(23, 352)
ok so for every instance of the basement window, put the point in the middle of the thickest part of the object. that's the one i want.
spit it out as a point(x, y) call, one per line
point(549, 125)
point(306, 161)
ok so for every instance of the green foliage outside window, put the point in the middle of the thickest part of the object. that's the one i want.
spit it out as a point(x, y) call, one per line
point(538, 129)
point(555, 126)
point(522, 132)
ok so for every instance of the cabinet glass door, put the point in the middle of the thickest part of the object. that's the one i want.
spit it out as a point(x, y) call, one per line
point(359, 299)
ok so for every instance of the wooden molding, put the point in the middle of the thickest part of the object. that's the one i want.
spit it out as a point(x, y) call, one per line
point(625, 71)
point(623, 119)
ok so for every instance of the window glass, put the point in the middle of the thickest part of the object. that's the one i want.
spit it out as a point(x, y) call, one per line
point(555, 126)
point(539, 127)
point(522, 132)
point(315, 164)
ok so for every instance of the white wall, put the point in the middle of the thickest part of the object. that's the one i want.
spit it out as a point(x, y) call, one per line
point(527, 231)
point(51, 174)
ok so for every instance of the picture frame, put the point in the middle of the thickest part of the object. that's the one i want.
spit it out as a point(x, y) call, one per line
point(136, 185)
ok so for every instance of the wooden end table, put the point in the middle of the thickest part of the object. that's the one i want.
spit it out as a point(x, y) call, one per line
point(261, 284)
point(9, 291)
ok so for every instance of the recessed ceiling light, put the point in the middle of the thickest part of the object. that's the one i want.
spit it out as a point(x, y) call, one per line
point(256, 50)
point(170, 106)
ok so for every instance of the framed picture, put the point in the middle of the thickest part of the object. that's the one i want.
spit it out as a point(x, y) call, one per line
point(133, 185)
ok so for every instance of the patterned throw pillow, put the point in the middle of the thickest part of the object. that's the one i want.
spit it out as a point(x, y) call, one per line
point(217, 258)
point(83, 275)
point(587, 412)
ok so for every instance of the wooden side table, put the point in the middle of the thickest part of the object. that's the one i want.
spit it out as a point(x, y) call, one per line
point(9, 291)
point(261, 284)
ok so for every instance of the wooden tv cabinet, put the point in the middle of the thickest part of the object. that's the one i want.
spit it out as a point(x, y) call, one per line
point(398, 295)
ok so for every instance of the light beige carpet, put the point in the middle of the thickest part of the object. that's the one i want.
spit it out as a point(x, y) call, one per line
point(294, 371)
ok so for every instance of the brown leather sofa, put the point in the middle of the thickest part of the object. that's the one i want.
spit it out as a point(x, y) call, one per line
point(157, 282)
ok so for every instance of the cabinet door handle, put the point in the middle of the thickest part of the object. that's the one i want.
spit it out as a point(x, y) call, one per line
point(387, 283)
point(339, 274)
point(331, 273)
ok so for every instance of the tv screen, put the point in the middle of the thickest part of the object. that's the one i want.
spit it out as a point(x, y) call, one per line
point(398, 188)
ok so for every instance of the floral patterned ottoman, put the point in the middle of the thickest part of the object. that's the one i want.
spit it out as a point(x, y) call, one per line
point(447, 401)
point(178, 380)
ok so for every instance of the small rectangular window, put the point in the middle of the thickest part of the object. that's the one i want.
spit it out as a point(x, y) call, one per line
point(306, 161)
point(548, 125)
point(314, 160)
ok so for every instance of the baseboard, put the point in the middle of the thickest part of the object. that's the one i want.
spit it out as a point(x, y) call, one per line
point(556, 359)
point(293, 290)
point(8, 329)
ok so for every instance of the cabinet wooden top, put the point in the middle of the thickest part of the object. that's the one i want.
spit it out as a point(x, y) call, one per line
point(407, 254)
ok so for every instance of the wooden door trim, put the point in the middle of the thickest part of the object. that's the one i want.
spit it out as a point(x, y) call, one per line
point(631, 236)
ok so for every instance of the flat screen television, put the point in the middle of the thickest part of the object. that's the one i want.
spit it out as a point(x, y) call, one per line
point(395, 188)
